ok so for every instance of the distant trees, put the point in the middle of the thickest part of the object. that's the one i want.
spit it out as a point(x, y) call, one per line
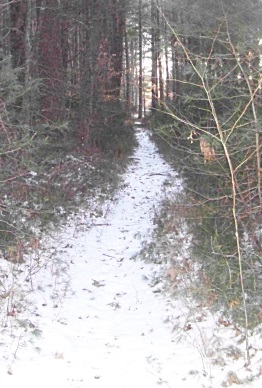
point(73, 50)
point(61, 84)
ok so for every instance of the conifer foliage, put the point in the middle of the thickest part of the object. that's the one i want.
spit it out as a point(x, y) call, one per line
point(61, 72)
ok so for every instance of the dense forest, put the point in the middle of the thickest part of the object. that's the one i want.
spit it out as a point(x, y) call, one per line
point(73, 76)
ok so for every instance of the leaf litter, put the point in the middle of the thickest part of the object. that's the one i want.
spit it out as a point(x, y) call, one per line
point(88, 312)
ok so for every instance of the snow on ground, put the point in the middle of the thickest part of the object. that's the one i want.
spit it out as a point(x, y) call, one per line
point(95, 317)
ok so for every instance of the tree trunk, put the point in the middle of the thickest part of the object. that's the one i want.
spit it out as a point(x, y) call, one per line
point(159, 56)
point(116, 48)
point(154, 77)
point(140, 83)
point(50, 62)
point(18, 16)
point(128, 76)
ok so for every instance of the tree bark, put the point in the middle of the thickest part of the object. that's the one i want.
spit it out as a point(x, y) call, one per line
point(154, 77)
point(140, 80)
point(50, 62)
point(18, 17)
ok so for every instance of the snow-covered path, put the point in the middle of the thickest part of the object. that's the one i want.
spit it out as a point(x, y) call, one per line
point(104, 323)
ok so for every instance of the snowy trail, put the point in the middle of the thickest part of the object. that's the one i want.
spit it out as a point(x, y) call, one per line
point(106, 327)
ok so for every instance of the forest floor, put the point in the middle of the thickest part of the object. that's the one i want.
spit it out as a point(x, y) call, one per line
point(90, 312)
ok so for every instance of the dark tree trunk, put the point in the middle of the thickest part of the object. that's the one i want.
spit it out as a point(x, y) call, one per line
point(154, 77)
point(65, 24)
point(116, 48)
point(159, 56)
point(18, 16)
point(128, 76)
point(140, 81)
point(50, 62)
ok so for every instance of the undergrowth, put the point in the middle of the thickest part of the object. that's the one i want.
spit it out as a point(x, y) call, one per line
point(195, 237)
point(46, 182)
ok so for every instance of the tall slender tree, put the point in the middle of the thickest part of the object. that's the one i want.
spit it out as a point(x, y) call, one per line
point(154, 54)
point(140, 80)
point(50, 60)
point(18, 16)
